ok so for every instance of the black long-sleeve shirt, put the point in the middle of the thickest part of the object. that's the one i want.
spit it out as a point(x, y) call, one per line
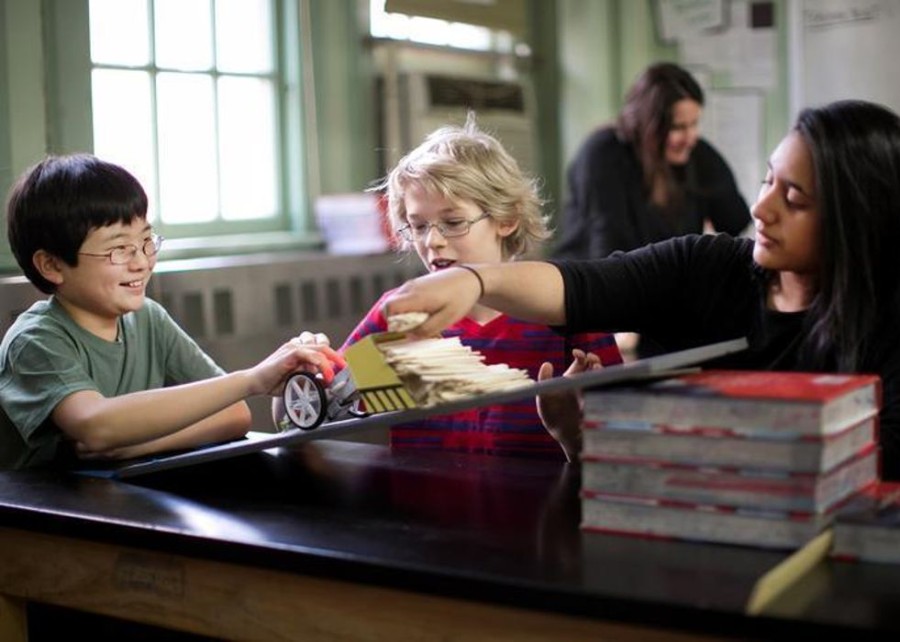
point(609, 208)
point(695, 290)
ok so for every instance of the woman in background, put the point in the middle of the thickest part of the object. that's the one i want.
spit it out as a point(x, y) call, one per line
point(650, 177)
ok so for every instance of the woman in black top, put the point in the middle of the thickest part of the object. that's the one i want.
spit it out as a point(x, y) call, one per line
point(818, 289)
point(650, 177)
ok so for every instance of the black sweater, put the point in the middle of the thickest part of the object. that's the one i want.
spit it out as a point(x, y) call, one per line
point(695, 290)
point(609, 209)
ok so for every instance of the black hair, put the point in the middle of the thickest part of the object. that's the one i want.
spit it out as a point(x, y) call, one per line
point(855, 146)
point(646, 118)
point(55, 204)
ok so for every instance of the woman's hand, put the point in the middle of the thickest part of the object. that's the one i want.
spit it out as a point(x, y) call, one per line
point(308, 338)
point(445, 296)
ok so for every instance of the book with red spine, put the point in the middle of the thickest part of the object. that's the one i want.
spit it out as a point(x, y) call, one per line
point(708, 446)
point(653, 517)
point(748, 487)
point(757, 403)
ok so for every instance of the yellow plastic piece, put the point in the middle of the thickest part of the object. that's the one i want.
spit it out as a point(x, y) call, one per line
point(377, 383)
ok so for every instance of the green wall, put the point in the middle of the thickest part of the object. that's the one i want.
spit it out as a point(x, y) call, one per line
point(344, 96)
point(5, 143)
point(586, 53)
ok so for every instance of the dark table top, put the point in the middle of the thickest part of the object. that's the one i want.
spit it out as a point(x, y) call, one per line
point(487, 528)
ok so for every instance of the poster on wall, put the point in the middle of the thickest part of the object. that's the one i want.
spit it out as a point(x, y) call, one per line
point(744, 53)
point(677, 20)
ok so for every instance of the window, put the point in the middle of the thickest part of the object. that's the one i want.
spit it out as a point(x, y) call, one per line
point(433, 31)
point(185, 94)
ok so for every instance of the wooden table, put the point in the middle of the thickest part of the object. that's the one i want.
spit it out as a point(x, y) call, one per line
point(351, 541)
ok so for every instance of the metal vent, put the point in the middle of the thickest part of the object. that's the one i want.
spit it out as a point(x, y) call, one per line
point(193, 319)
point(480, 95)
point(223, 312)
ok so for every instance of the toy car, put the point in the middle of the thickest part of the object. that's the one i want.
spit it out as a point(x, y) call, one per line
point(367, 378)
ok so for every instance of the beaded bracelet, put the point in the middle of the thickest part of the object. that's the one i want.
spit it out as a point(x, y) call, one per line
point(469, 268)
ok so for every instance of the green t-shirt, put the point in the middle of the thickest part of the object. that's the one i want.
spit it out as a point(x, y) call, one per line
point(45, 356)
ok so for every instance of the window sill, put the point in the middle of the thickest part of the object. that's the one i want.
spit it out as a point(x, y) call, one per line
point(239, 244)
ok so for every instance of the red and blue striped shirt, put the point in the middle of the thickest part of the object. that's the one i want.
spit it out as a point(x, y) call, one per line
point(504, 429)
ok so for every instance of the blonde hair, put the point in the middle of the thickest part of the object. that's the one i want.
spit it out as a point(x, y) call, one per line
point(465, 163)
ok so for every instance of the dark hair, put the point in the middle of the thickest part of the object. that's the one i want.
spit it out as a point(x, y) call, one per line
point(646, 118)
point(855, 146)
point(55, 204)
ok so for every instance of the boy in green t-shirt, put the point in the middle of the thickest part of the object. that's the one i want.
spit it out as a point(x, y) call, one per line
point(98, 370)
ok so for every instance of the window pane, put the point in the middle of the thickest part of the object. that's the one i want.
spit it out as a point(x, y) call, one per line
point(187, 148)
point(119, 32)
point(467, 36)
point(432, 31)
point(123, 124)
point(394, 25)
point(186, 96)
point(429, 31)
point(247, 138)
point(184, 34)
point(244, 36)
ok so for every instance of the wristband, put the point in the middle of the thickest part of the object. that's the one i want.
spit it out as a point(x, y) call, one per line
point(469, 268)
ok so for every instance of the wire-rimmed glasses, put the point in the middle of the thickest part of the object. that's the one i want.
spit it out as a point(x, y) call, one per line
point(448, 229)
point(125, 253)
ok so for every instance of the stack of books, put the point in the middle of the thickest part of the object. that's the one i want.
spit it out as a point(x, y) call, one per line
point(741, 457)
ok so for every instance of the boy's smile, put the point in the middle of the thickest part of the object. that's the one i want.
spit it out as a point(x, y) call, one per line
point(97, 292)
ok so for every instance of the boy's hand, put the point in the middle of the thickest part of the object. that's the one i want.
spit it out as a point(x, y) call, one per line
point(295, 356)
point(562, 412)
point(308, 338)
point(83, 452)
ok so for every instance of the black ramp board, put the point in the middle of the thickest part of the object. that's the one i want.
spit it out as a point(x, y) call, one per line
point(610, 375)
